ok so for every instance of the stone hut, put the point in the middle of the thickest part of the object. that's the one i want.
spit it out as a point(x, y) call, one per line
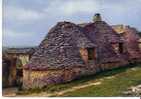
point(73, 50)
point(131, 40)
point(10, 58)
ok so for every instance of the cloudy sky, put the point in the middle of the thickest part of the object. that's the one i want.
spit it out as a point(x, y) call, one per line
point(26, 22)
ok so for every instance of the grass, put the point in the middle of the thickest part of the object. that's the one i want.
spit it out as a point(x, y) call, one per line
point(123, 78)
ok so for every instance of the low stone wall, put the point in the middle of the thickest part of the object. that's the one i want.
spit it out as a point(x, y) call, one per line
point(38, 79)
point(112, 65)
point(136, 60)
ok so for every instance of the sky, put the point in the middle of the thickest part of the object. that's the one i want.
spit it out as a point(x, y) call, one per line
point(27, 22)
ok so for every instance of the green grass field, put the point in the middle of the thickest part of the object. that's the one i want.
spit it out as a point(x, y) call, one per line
point(113, 83)
point(122, 79)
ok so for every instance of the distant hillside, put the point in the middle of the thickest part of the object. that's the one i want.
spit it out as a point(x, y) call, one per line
point(17, 48)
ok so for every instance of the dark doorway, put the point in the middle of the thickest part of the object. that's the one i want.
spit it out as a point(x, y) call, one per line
point(19, 73)
point(12, 72)
point(120, 47)
point(91, 53)
point(5, 72)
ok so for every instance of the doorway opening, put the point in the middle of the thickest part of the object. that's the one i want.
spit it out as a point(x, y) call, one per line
point(91, 53)
point(121, 48)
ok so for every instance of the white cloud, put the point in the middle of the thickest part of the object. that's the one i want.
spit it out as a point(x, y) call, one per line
point(67, 8)
point(46, 12)
point(79, 6)
point(72, 7)
point(54, 9)
point(123, 7)
point(14, 34)
point(21, 14)
point(14, 38)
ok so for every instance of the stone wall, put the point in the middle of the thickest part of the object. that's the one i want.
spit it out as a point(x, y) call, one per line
point(84, 54)
point(112, 65)
point(131, 40)
point(12, 72)
point(39, 79)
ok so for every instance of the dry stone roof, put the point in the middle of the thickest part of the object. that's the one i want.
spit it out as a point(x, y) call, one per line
point(60, 48)
point(131, 39)
point(103, 35)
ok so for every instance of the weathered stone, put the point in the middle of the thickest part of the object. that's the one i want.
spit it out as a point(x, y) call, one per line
point(64, 53)
point(133, 91)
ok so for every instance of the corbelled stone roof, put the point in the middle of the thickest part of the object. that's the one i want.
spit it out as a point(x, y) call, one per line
point(103, 35)
point(131, 39)
point(60, 48)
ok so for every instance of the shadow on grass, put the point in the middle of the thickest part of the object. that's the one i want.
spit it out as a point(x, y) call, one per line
point(107, 73)
point(79, 81)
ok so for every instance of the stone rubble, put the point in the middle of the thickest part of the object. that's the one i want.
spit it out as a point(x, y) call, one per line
point(133, 91)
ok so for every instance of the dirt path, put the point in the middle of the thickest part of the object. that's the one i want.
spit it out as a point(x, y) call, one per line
point(88, 84)
point(12, 91)
point(43, 94)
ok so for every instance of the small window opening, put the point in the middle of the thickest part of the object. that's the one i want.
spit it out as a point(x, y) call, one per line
point(88, 54)
point(91, 53)
point(118, 47)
